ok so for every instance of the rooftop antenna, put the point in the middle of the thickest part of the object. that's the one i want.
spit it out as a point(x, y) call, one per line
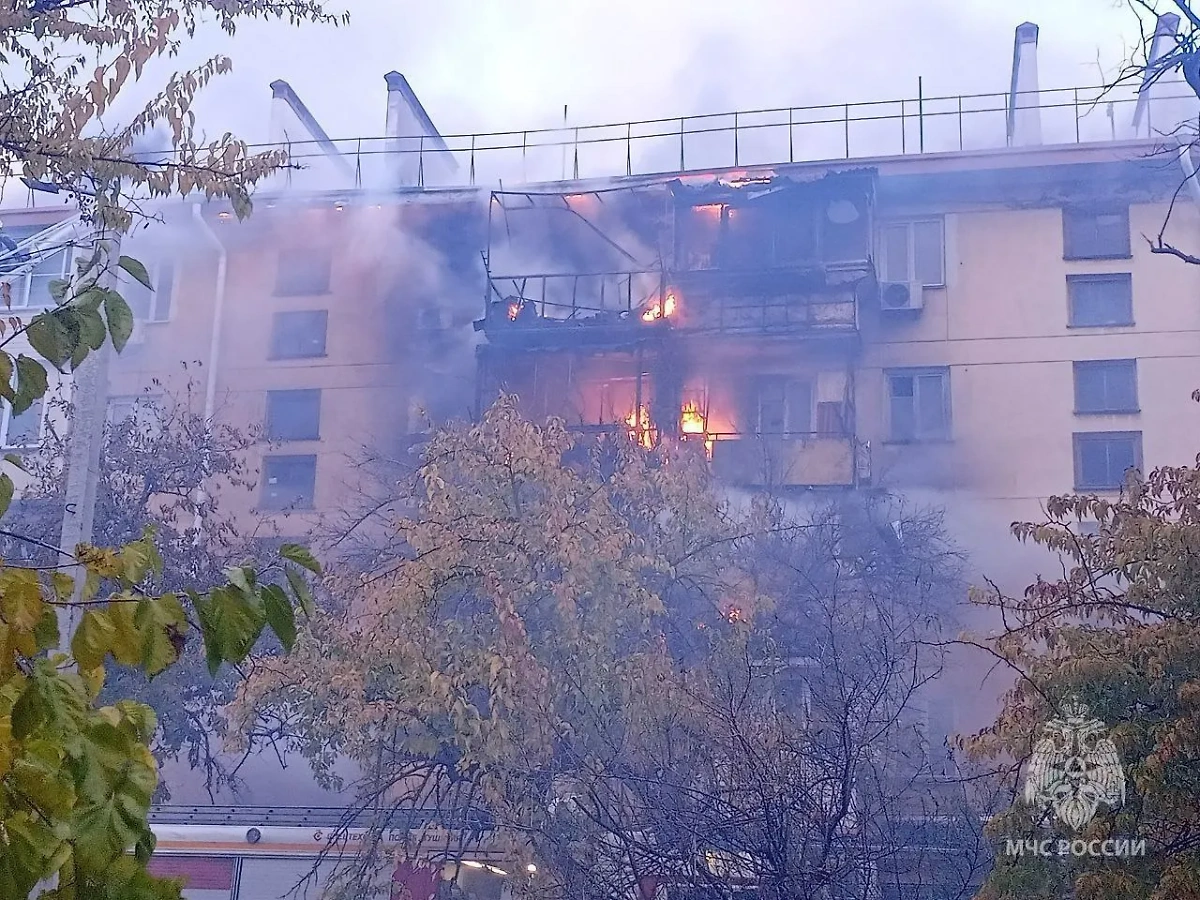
point(564, 143)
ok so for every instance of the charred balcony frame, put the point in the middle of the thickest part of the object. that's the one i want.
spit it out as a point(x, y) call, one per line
point(649, 313)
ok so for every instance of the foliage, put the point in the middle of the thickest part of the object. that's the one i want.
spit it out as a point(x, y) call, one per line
point(585, 645)
point(161, 465)
point(1120, 632)
point(77, 775)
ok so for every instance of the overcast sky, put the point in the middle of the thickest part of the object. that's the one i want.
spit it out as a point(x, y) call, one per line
point(486, 65)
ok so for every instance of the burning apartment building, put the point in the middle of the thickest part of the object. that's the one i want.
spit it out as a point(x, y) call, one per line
point(946, 298)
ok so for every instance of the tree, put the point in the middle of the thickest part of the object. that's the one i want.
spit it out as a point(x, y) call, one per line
point(155, 463)
point(584, 649)
point(76, 775)
point(1119, 633)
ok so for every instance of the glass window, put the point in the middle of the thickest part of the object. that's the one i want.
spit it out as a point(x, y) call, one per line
point(1096, 233)
point(299, 334)
point(289, 482)
point(150, 305)
point(1106, 385)
point(303, 272)
point(1099, 300)
point(25, 429)
point(51, 264)
point(294, 415)
point(1103, 457)
point(784, 406)
point(919, 404)
point(913, 251)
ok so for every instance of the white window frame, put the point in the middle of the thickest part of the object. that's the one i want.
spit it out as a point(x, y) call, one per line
point(22, 282)
point(40, 403)
point(155, 271)
point(916, 374)
point(911, 264)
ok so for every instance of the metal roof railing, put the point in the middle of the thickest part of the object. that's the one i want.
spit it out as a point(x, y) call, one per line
point(745, 138)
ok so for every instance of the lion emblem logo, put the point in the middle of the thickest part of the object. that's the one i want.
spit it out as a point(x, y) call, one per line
point(1074, 768)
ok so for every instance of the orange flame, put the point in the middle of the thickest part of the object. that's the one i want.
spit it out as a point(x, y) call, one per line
point(514, 309)
point(661, 309)
point(691, 421)
point(712, 209)
point(640, 429)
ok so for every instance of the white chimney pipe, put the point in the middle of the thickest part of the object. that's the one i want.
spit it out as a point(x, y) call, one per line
point(1024, 109)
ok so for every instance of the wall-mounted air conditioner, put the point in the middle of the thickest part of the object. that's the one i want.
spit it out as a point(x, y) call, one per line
point(901, 295)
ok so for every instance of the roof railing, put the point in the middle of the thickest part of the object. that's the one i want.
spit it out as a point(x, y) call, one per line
point(740, 139)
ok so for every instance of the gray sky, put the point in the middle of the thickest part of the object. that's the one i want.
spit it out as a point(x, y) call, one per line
point(481, 65)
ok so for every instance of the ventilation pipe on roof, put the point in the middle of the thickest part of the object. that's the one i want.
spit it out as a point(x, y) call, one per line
point(1165, 104)
point(415, 148)
point(1024, 110)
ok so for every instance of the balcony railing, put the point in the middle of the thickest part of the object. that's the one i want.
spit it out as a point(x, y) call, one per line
point(758, 137)
point(790, 460)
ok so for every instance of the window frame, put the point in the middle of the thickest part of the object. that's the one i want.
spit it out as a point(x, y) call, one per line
point(307, 253)
point(916, 373)
point(1084, 365)
point(273, 351)
point(1080, 438)
point(266, 504)
point(155, 271)
point(1095, 210)
point(909, 226)
point(22, 293)
point(789, 383)
point(1098, 278)
point(306, 434)
point(6, 423)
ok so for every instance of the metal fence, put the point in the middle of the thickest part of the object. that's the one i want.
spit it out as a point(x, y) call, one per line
point(917, 124)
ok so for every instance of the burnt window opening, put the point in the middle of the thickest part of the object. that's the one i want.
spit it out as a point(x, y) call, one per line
point(303, 272)
point(1103, 457)
point(913, 252)
point(299, 334)
point(294, 415)
point(1096, 301)
point(919, 404)
point(1106, 386)
point(289, 482)
point(779, 406)
point(773, 234)
point(1096, 233)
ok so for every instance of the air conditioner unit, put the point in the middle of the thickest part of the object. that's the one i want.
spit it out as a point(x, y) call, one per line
point(901, 295)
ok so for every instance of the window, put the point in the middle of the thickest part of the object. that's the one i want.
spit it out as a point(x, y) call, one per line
point(1103, 457)
point(303, 272)
point(52, 263)
point(142, 411)
point(782, 406)
point(150, 305)
point(1106, 386)
point(919, 404)
point(299, 334)
point(294, 415)
point(1098, 300)
point(1096, 233)
point(25, 429)
point(913, 251)
point(289, 482)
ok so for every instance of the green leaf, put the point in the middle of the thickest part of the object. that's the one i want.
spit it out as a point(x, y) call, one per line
point(230, 622)
point(300, 589)
point(136, 269)
point(50, 336)
point(6, 493)
point(59, 288)
point(15, 460)
point(6, 377)
point(241, 577)
point(301, 556)
point(161, 621)
point(31, 383)
point(120, 319)
point(91, 327)
point(280, 615)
